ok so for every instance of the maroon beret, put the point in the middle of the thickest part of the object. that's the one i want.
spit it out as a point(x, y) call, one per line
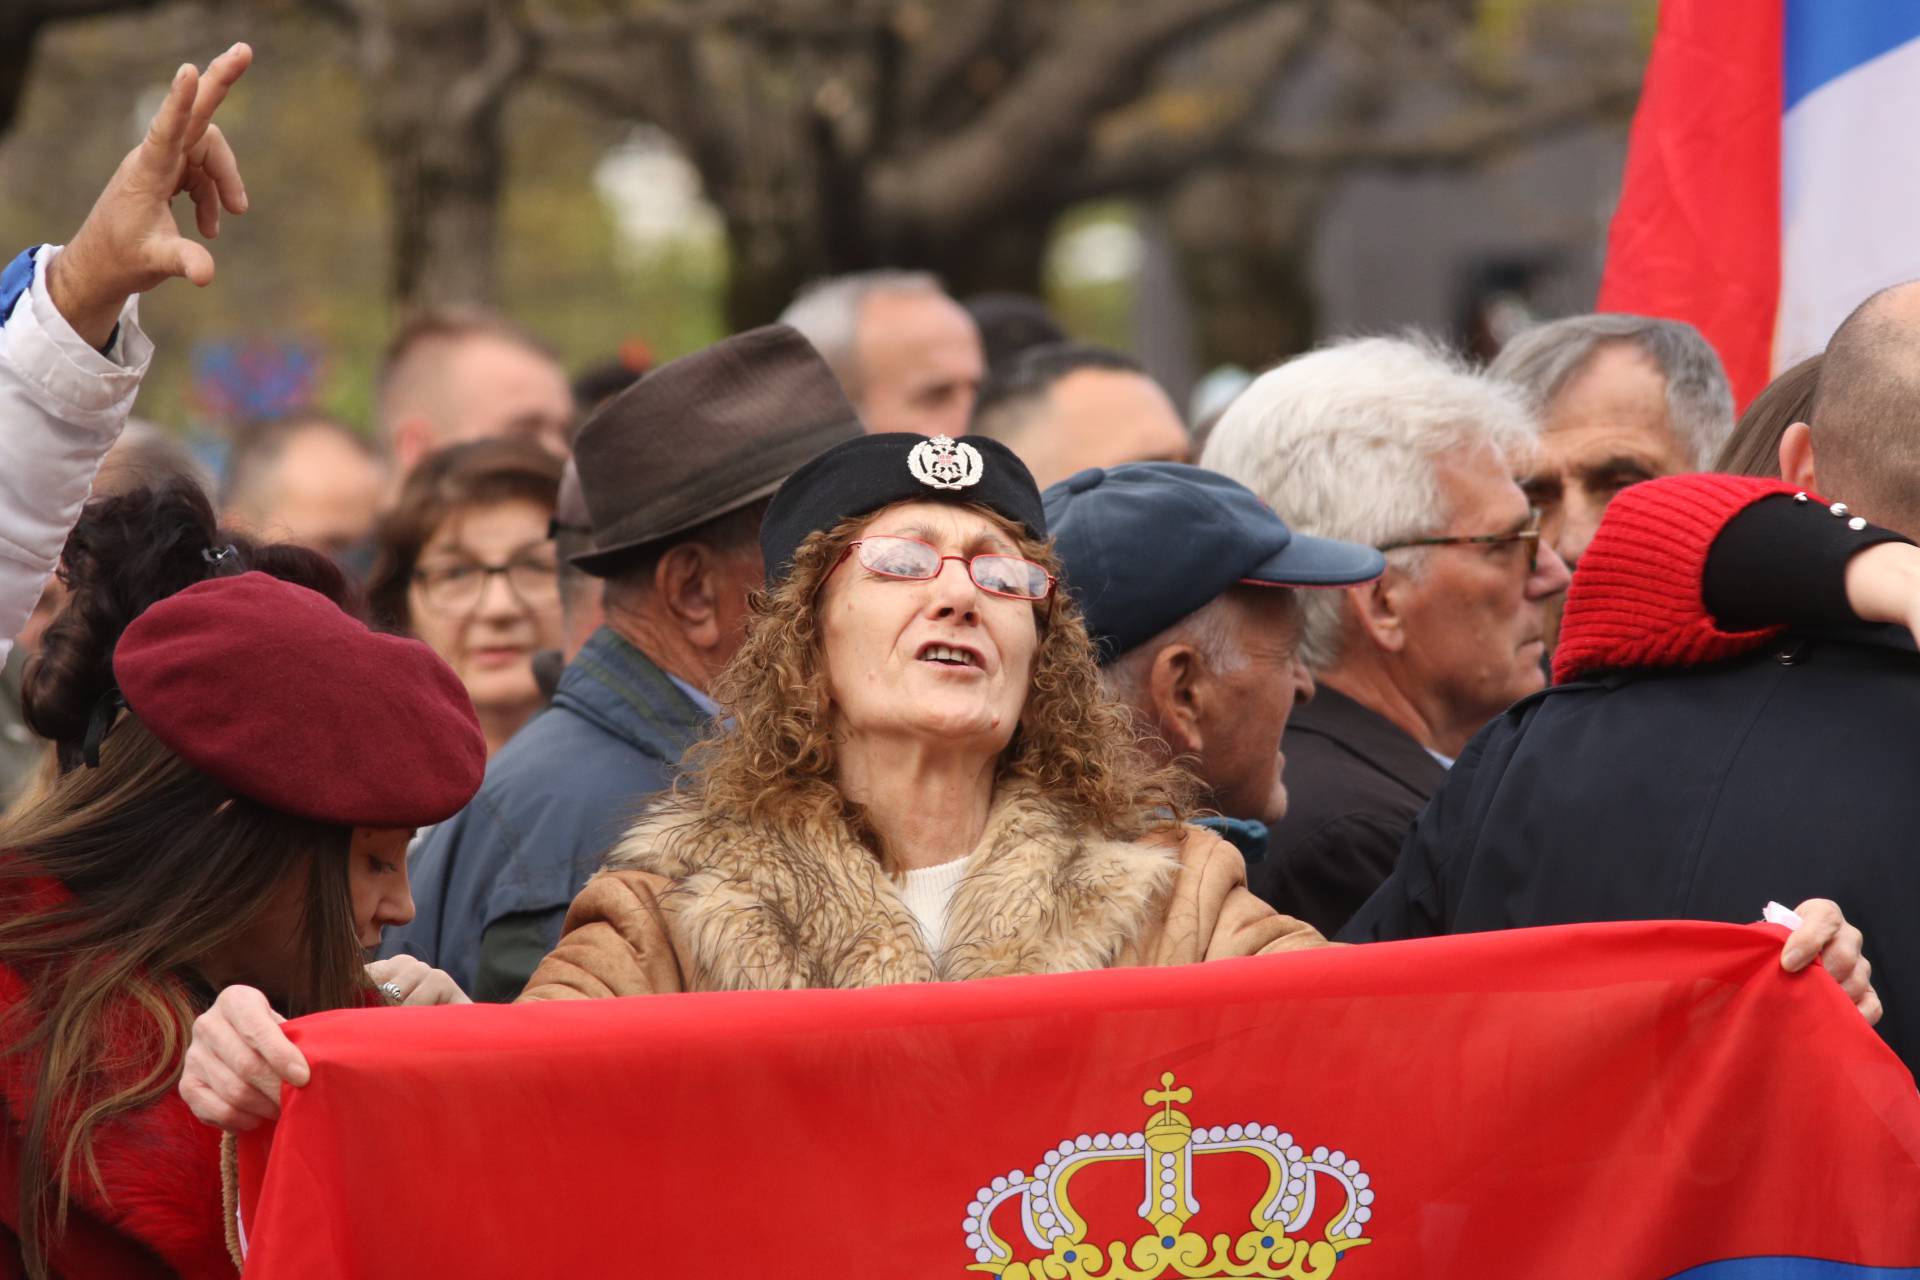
point(273, 690)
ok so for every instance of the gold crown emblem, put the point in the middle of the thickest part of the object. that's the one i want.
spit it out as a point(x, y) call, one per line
point(1299, 1182)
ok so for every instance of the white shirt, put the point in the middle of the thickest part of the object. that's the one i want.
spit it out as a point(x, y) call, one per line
point(62, 405)
point(928, 892)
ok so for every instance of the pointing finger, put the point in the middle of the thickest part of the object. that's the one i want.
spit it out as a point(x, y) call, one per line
point(166, 136)
point(221, 74)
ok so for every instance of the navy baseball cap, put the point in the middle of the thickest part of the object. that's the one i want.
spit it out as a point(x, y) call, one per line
point(1148, 543)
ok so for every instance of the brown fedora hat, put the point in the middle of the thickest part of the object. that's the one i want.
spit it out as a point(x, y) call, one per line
point(704, 435)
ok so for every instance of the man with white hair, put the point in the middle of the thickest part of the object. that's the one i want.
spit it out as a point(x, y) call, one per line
point(1619, 399)
point(1393, 443)
point(906, 354)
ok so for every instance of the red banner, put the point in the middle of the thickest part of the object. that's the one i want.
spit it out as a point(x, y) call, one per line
point(1603, 1100)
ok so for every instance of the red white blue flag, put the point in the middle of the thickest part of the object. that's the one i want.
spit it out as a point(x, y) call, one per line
point(1639, 1100)
point(1773, 177)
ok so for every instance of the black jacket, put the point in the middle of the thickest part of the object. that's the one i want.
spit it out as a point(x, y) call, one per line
point(1355, 783)
point(1790, 774)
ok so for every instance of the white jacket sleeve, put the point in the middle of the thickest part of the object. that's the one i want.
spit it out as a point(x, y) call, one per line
point(62, 405)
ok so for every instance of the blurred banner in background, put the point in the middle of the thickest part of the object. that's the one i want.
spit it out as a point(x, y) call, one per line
point(1602, 1100)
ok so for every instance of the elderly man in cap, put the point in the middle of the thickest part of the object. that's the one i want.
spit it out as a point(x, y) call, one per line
point(676, 472)
point(1199, 634)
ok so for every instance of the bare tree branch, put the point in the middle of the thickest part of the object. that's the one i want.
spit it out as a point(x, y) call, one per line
point(1042, 121)
point(36, 12)
point(1472, 134)
point(509, 51)
point(965, 30)
point(677, 22)
point(619, 75)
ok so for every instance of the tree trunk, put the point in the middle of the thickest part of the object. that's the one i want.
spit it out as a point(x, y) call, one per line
point(1244, 245)
point(766, 266)
point(444, 181)
point(20, 25)
point(769, 260)
point(437, 74)
point(1007, 256)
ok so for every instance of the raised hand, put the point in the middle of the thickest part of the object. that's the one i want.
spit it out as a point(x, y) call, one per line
point(130, 242)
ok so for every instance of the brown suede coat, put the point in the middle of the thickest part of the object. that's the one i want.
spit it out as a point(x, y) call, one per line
point(681, 907)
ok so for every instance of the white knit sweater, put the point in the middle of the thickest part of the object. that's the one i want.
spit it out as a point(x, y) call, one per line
point(927, 892)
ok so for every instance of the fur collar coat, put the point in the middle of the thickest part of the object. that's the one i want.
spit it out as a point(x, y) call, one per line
point(156, 1210)
point(685, 907)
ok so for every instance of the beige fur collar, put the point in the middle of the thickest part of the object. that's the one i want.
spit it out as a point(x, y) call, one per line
point(758, 908)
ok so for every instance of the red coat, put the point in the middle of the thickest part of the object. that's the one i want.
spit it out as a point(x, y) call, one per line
point(160, 1168)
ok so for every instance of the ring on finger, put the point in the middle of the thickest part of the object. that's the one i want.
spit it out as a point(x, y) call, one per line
point(392, 991)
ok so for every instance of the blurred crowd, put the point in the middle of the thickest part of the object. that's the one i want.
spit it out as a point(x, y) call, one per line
point(913, 639)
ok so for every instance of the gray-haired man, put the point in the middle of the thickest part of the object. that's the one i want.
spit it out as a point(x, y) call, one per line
point(1391, 443)
point(908, 356)
point(1620, 399)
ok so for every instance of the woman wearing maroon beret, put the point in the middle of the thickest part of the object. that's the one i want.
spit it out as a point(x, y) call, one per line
point(232, 841)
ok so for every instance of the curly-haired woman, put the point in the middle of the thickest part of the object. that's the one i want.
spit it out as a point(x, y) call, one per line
point(922, 780)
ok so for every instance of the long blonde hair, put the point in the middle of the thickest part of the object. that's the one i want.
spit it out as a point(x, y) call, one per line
point(776, 765)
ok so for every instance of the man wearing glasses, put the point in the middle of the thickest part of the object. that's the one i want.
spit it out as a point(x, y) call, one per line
point(1392, 443)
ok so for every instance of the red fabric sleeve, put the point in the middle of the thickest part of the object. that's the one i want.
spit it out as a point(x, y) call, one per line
point(1635, 599)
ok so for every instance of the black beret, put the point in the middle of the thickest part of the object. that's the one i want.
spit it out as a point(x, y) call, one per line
point(861, 476)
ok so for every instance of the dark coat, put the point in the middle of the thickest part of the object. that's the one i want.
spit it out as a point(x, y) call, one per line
point(1355, 782)
point(492, 884)
point(1790, 774)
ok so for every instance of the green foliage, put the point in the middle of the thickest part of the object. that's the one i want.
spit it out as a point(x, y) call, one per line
point(1092, 310)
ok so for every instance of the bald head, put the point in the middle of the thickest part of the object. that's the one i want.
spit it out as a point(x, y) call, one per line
point(908, 356)
point(1866, 415)
point(308, 480)
point(1068, 406)
point(453, 377)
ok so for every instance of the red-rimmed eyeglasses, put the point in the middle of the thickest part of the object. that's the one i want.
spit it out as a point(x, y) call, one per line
point(915, 561)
